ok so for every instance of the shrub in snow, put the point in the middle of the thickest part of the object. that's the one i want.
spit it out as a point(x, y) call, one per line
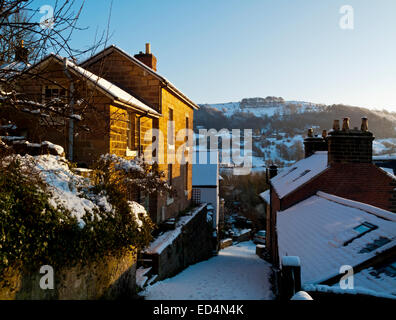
point(49, 215)
point(128, 175)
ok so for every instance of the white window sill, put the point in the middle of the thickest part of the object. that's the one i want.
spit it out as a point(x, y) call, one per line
point(169, 201)
point(130, 153)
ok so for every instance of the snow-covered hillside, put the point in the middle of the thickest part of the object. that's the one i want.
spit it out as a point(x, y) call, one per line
point(265, 107)
point(279, 126)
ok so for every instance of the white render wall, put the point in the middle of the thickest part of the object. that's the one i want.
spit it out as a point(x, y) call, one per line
point(211, 195)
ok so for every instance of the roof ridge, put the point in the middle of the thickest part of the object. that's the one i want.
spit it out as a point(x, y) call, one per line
point(381, 213)
point(106, 85)
point(147, 68)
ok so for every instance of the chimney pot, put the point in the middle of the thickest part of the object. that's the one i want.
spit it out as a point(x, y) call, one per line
point(148, 48)
point(364, 126)
point(310, 132)
point(336, 125)
point(345, 124)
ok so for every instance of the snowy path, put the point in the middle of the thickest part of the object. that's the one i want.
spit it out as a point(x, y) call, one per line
point(237, 273)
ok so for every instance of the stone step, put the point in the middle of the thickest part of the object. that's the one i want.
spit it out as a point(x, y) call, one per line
point(152, 280)
point(142, 276)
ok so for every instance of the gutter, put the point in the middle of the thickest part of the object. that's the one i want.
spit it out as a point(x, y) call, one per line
point(146, 113)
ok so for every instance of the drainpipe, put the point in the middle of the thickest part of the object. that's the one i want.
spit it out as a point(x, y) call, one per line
point(71, 121)
point(139, 133)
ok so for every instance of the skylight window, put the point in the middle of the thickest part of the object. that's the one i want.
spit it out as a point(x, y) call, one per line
point(375, 245)
point(361, 229)
point(364, 228)
point(388, 269)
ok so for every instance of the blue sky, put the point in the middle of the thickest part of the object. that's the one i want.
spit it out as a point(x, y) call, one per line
point(225, 50)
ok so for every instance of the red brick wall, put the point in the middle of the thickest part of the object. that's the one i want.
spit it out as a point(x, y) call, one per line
point(363, 182)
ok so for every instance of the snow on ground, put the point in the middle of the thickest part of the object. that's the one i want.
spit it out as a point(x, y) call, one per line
point(237, 273)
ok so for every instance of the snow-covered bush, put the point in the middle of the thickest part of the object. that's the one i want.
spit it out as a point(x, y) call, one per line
point(49, 215)
point(128, 175)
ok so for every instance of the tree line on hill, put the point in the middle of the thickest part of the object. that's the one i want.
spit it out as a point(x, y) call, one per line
point(382, 123)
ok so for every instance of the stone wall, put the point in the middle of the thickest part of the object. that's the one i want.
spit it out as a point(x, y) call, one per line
point(181, 173)
point(122, 71)
point(108, 278)
point(195, 243)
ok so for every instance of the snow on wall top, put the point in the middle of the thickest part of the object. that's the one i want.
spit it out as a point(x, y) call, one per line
point(321, 232)
point(291, 261)
point(167, 238)
point(266, 196)
point(291, 178)
point(205, 173)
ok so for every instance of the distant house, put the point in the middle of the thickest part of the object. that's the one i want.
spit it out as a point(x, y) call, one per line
point(386, 162)
point(126, 98)
point(333, 208)
point(205, 181)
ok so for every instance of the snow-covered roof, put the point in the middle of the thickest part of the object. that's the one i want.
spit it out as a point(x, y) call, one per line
point(321, 231)
point(266, 196)
point(8, 70)
point(205, 171)
point(385, 157)
point(377, 280)
point(142, 65)
point(118, 94)
point(389, 172)
point(293, 177)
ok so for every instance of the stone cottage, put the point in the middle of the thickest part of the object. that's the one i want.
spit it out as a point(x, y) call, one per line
point(110, 103)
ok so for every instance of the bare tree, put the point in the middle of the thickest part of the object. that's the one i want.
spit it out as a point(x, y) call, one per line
point(27, 34)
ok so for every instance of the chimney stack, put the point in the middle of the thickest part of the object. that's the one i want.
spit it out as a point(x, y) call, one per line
point(21, 53)
point(314, 143)
point(147, 58)
point(350, 145)
point(273, 171)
